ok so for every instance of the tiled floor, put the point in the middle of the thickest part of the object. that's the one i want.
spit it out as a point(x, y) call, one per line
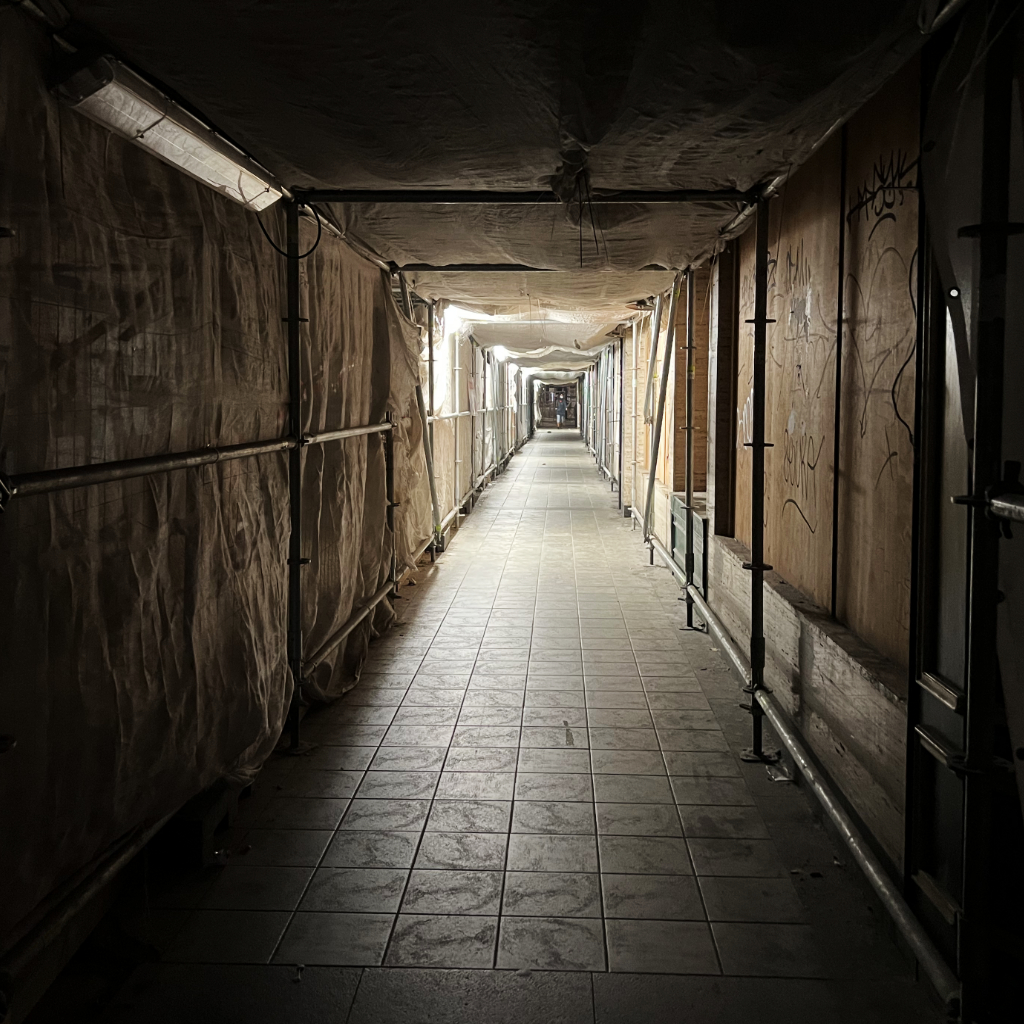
point(536, 773)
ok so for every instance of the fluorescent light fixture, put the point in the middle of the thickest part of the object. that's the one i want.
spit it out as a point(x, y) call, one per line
point(116, 97)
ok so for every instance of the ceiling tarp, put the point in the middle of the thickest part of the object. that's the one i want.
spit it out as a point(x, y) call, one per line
point(520, 96)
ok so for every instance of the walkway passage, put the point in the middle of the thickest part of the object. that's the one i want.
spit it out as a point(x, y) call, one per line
point(530, 809)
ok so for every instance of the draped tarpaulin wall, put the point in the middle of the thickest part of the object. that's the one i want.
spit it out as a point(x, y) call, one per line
point(143, 622)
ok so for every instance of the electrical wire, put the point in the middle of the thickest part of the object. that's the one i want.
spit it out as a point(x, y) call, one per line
point(309, 251)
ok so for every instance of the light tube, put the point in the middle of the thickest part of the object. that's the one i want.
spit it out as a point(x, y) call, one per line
point(112, 95)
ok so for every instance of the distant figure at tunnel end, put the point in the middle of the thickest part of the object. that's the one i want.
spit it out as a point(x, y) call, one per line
point(560, 408)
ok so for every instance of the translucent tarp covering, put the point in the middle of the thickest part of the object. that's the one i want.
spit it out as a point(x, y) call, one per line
point(143, 622)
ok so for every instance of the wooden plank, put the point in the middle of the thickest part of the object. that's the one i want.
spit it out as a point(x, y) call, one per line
point(721, 440)
point(838, 690)
point(800, 376)
point(877, 418)
point(702, 291)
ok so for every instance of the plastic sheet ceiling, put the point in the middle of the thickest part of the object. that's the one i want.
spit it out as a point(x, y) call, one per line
point(527, 95)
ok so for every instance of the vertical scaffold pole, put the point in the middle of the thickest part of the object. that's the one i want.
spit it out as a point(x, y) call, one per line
point(756, 565)
point(389, 495)
point(690, 373)
point(295, 560)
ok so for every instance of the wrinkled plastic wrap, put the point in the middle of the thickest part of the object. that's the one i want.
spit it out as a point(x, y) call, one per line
point(524, 95)
point(143, 622)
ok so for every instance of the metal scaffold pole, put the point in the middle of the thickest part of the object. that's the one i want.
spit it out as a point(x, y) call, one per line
point(756, 565)
point(690, 373)
point(659, 417)
point(295, 560)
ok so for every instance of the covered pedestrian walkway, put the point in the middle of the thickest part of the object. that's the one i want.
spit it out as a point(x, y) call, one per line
point(536, 773)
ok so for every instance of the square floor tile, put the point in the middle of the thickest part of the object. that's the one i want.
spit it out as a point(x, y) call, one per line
point(538, 697)
point(418, 736)
point(372, 849)
point(687, 740)
point(453, 892)
point(303, 782)
point(301, 812)
point(619, 718)
point(637, 819)
point(254, 887)
point(551, 944)
point(556, 736)
point(720, 792)
point(553, 817)
point(355, 735)
point(343, 939)
point(469, 816)
point(429, 696)
point(623, 739)
point(481, 759)
point(707, 822)
point(490, 716)
point(564, 761)
point(779, 951)
point(749, 858)
point(415, 785)
point(551, 894)
point(442, 941)
point(661, 947)
point(655, 897)
point(408, 759)
point(552, 853)
point(632, 789)
point(493, 698)
point(764, 900)
point(466, 785)
point(228, 937)
point(356, 890)
point(617, 699)
point(392, 815)
point(706, 764)
point(298, 847)
point(651, 855)
point(628, 762)
point(470, 851)
point(554, 786)
point(566, 718)
point(427, 716)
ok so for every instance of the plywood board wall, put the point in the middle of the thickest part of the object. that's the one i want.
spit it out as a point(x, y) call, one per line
point(800, 376)
point(702, 311)
point(877, 398)
point(879, 348)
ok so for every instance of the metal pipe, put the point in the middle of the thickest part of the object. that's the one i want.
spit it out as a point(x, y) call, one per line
point(622, 409)
point(453, 361)
point(634, 441)
point(429, 459)
point(1008, 506)
point(294, 649)
point(837, 421)
point(336, 639)
point(430, 377)
point(346, 432)
point(756, 565)
point(670, 332)
point(652, 360)
point(982, 915)
point(691, 369)
point(48, 481)
point(403, 285)
point(389, 497)
point(930, 959)
point(455, 197)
